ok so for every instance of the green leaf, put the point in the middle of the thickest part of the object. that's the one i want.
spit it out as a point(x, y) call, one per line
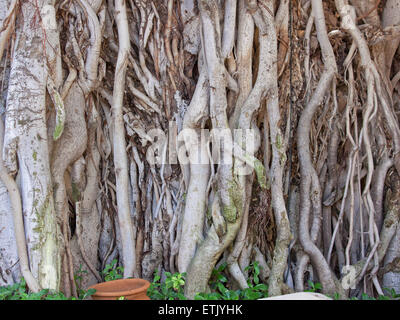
point(200, 296)
point(256, 268)
point(222, 278)
point(336, 296)
point(253, 295)
point(214, 296)
point(261, 287)
point(232, 295)
point(181, 296)
point(365, 296)
point(222, 288)
point(156, 278)
point(89, 293)
point(222, 267)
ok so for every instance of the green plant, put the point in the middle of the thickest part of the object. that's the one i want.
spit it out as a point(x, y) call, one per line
point(393, 293)
point(392, 296)
point(19, 291)
point(365, 296)
point(175, 281)
point(217, 286)
point(314, 287)
point(336, 296)
point(111, 272)
point(82, 294)
point(255, 290)
point(222, 293)
point(170, 289)
point(254, 272)
point(217, 276)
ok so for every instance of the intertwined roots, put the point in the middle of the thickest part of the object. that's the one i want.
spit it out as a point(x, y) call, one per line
point(176, 135)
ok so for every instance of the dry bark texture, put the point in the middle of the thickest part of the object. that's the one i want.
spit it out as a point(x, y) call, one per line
point(113, 114)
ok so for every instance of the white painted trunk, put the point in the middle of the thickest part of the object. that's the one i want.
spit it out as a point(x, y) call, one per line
point(26, 148)
point(9, 267)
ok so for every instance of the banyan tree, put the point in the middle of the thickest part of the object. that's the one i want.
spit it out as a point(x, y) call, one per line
point(177, 135)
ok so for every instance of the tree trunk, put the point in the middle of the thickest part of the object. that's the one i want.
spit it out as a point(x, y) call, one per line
point(180, 135)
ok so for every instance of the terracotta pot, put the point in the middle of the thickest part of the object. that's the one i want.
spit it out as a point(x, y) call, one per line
point(130, 289)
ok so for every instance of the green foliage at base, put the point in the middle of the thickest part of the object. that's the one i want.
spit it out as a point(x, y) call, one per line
point(170, 289)
point(78, 277)
point(112, 272)
point(173, 286)
point(19, 291)
point(219, 291)
point(314, 287)
point(391, 293)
